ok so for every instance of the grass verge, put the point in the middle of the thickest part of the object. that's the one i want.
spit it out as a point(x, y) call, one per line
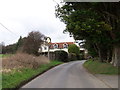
point(97, 67)
point(15, 79)
point(5, 55)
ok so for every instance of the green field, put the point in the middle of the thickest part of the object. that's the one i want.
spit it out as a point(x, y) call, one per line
point(1, 55)
point(5, 55)
point(97, 67)
point(14, 79)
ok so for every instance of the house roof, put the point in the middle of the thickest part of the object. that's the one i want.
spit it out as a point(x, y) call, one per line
point(60, 45)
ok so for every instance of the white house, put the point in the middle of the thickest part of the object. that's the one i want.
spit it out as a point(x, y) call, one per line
point(57, 46)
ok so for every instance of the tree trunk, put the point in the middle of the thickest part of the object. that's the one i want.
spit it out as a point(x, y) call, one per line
point(109, 55)
point(102, 55)
point(116, 56)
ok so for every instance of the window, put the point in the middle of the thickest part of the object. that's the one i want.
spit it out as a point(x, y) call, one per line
point(81, 46)
point(45, 48)
point(55, 46)
point(65, 45)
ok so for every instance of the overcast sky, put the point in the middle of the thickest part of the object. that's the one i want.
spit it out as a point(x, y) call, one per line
point(24, 16)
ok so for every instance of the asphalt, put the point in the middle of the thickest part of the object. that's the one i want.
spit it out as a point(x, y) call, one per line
point(110, 80)
point(68, 75)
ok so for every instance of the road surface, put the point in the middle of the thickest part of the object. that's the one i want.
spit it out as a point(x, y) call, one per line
point(68, 75)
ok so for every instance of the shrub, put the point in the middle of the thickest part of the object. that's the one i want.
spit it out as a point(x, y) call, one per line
point(21, 60)
point(61, 55)
point(74, 49)
point(81, 56)
point(72, 57)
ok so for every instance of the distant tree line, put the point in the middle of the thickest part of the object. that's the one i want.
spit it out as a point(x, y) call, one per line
point(29, 44)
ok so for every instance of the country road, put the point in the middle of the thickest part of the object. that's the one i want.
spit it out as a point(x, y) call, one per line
point(68, 75)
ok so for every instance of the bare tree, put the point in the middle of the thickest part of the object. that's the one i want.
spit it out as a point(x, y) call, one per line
point(33, 42)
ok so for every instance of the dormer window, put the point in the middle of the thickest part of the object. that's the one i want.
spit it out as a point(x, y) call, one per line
point(55, 46)
point(45, 48)
point(65, 45)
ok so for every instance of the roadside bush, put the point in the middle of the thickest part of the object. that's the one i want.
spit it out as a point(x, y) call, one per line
point(74, 49)
point(81, 56)
point(21, 60)
point(61, 55)
point(72, 57)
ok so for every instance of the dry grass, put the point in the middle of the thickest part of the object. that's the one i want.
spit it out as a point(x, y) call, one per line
point(23, 60)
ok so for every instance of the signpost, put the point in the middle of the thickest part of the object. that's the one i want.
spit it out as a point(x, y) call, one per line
point(48, 39)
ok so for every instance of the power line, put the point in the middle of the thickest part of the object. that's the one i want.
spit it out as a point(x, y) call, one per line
point(55, 2)
point(7, 29)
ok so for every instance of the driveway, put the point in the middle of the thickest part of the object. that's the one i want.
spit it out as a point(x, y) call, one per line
point(68, 75)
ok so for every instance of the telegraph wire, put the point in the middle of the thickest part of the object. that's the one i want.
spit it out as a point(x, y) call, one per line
point(8, 29)
point(55, 2)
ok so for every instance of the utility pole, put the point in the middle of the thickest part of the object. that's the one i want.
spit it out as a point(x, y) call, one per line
point(48, 39)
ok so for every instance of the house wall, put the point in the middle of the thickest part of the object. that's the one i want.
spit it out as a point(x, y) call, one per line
point(52, 50)
point(44, 50)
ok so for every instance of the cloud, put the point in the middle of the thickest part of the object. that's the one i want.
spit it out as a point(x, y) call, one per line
point(24, 16)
